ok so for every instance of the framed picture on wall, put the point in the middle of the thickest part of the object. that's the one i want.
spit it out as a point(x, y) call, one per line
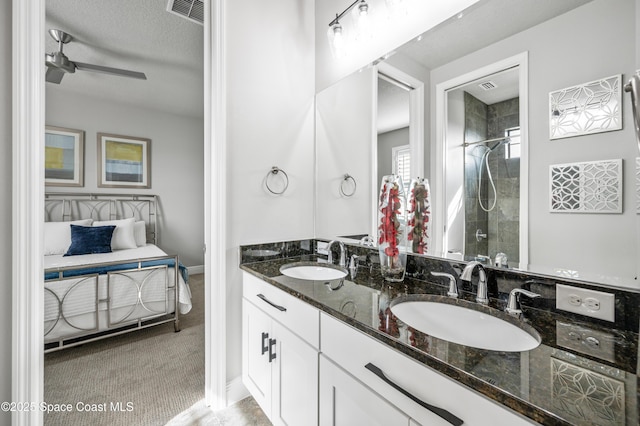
point(123, 161)
point(63, 157)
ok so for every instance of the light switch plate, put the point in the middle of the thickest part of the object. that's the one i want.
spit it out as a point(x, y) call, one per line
point(591, 303)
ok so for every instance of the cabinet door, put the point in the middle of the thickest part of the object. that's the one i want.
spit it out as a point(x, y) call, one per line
point(295, 380)
point(256, 367)
point(344, 401)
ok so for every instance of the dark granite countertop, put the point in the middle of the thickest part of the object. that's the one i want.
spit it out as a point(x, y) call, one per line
point(562, 381)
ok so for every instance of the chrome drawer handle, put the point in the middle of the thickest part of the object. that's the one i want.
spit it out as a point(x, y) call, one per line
point(436, 410)
point(278, 307)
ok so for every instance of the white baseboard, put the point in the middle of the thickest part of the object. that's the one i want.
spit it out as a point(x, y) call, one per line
point(236, 391)
point(198, 269)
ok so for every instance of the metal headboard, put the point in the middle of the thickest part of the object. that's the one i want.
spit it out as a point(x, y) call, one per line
point(65, 206)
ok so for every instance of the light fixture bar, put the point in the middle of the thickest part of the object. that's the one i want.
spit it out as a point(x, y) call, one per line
point(338, 17)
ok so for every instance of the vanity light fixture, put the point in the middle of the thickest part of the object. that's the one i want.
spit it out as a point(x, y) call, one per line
point(336, 33)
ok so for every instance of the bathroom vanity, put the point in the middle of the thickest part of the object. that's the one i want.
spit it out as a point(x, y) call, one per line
point(331, 351)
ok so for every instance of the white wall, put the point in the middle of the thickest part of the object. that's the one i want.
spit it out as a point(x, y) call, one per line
point(5, 208)
point(386, 142)
point(602, 49)
point(390, 32)
point(344, 142)
point(176, 162)
point(270, 115)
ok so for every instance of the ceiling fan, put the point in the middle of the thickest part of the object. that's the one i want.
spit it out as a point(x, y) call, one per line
point(58, 63)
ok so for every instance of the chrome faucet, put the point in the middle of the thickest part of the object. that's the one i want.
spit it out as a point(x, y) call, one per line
point(343, 253)
point(482, 295)
point(513, 306)
point(453, 286)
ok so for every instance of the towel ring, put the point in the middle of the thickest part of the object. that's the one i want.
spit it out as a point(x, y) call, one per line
point(274, 171)
point(346, 179)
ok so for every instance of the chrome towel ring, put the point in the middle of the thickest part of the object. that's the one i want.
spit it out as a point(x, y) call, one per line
point(275, 171)
point(345, 184)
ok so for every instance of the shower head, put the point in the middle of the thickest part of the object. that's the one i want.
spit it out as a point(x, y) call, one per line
point(499, 144)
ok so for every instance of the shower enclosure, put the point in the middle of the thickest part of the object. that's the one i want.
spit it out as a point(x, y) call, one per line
point(483, 137)
point(491, 178)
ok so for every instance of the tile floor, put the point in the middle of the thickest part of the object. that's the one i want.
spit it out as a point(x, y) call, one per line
point(243, 413)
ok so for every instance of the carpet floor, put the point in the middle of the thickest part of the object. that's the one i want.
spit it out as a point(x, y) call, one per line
point(146, 377)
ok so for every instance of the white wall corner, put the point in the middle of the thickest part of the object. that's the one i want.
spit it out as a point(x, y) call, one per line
point(196, 269)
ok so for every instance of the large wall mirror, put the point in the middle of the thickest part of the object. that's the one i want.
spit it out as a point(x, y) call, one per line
point(487, 74)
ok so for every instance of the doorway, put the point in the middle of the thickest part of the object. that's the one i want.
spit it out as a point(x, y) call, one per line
point(458, 140)
point(28, 205)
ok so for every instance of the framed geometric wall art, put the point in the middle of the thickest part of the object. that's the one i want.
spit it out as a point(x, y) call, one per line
point(587, 108)
point(63, 157)
point(586, 187)
point(123, 161)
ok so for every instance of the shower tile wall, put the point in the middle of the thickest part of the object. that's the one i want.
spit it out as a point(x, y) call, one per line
point(501, 224)
point(475, 129)
point(504, 220)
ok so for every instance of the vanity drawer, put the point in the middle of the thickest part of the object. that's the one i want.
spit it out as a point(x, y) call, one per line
point(352, 350)
point(299, 317)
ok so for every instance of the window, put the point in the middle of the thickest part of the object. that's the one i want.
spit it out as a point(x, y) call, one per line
point(512, 149)
point(402, 163)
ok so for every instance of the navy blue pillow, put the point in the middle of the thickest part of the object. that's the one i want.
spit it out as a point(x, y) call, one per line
point(90, 239)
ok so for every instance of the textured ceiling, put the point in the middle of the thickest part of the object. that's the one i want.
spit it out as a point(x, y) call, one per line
point(136, 35)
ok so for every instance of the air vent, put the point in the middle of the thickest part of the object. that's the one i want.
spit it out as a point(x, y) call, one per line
point(488, 85)
point(192, 10)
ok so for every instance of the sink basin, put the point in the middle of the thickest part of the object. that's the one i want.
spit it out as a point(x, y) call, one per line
point(313, 271)
point(465, 323)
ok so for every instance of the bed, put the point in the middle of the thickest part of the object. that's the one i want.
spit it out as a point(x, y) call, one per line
point(104, 272)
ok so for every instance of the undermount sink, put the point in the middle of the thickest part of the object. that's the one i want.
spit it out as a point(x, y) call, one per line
point(313, 271)
point(465, 323)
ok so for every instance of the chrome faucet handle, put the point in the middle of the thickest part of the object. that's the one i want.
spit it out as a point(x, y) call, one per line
point(453, 286)
point(367, 241)
point(513, 307)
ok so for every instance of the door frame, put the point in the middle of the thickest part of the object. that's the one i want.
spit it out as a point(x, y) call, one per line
point(438, 161)
point(28, 121)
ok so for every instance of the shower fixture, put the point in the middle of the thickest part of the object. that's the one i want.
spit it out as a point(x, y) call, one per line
point(485, 162)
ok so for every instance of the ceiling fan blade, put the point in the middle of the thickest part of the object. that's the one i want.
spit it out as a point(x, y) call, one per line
point(108, 70)
point(54, 75)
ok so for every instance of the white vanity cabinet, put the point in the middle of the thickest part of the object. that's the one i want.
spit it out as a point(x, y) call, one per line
point(359, 374)
point(280, 336)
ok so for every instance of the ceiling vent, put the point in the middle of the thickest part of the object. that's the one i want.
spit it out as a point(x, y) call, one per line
point(488, 85)
point(192, 10)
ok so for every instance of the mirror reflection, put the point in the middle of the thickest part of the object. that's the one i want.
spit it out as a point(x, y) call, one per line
point(491, 199)
point(483, 129)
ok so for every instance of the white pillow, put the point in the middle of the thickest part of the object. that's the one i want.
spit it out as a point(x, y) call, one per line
point(123, 234)
point(140, 233)
point(57, 235)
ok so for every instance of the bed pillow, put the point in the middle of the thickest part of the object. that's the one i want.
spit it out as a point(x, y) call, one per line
point(90, 240)
point(140, 233)
point(57, 235)
point(123, 234)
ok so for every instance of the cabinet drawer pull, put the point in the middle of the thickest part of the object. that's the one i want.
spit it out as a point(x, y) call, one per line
point(278, 307)
point(272, 354)
point(263, 344)
point(436, 410)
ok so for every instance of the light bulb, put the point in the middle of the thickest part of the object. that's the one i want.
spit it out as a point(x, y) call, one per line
point(362, 20)
point(336, 40)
